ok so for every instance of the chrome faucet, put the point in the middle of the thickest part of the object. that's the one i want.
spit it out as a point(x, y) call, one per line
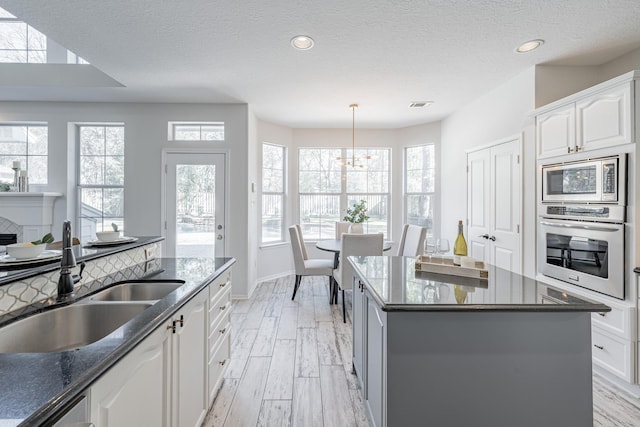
point(67, 280)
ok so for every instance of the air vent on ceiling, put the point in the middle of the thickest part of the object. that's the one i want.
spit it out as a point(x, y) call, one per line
point(420, 104)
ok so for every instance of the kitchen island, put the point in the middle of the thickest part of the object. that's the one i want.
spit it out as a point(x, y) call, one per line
point(451, 351)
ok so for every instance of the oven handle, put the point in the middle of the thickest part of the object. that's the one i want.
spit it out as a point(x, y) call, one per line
point(580, 227)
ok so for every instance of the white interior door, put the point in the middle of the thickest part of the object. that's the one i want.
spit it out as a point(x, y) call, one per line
point(194, 205)
point(494, 205)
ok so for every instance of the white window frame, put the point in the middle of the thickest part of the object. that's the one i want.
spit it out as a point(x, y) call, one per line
point(345, 196)
point(283, 195)
point(435, 196)
point(173, 126)
point(80, 186)
point(25, 157)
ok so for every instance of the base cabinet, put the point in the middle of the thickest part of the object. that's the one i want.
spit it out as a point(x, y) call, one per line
point(172, 376)
point(134, 392)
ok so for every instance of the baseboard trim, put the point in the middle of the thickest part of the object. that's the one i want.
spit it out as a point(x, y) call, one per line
point(275, 276)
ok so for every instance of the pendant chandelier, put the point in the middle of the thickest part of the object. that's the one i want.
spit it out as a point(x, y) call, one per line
point(353, 161)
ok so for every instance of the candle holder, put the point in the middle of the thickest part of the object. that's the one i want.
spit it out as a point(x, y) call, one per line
point(16, 176)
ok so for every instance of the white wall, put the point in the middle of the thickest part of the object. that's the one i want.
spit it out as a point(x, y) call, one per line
point(501, 113)
point(145, 137)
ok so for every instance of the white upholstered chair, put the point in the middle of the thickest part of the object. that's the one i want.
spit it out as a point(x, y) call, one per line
point(305, 266)
point(412, 241)
point(342, 227)
point(354, 244)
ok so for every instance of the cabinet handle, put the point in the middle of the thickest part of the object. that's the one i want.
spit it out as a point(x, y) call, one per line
point(602, 314)
point(223, 330)
point(578, 148)
point(222, 285)
point(172, 326)
point(223, 362)
point(181, 320)
point(600, 347)
point(569, 150)
point(222, 307)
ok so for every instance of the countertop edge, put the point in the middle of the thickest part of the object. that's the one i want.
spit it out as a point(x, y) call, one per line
point(67, 395)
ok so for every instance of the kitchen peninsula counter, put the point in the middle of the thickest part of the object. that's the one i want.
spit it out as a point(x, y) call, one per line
point(449, 351)
point(38, 385)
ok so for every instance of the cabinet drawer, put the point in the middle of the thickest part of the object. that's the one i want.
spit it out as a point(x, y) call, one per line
point(217, 335)
point(617, 321)
point(217, 365)
point(222, 283)
point(612, 353)
point(218, 308)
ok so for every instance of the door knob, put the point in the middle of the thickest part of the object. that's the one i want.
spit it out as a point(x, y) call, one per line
point(219, 227)
point(492, 238)
point(484, 236)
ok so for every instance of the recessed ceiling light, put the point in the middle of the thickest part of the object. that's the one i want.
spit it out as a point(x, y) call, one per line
point(530, 45)
point(420, 104)
point(302, 42)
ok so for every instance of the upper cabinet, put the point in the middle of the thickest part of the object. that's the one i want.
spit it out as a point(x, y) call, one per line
point(599, 117)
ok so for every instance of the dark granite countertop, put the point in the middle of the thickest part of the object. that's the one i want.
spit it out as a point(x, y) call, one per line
point(395, 285)
point(82, 253)
point(37, 385)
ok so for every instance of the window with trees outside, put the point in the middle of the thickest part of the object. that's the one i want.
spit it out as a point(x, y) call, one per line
point(419, 186)
point(273, 192)
point(100, 178)
point(209, 131)
point(27, 144)
point(21, 43)
point(326, 189)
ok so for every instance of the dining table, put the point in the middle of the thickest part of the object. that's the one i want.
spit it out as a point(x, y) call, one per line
point(334, 245)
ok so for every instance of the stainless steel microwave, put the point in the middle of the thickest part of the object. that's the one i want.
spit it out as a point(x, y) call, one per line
point(600, 180)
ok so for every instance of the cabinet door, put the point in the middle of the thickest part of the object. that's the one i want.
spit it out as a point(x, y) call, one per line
point(375, 385)
point(190, 361)
point(555, 131)
point(604, 119)
point(135, 391)
point(358, 321)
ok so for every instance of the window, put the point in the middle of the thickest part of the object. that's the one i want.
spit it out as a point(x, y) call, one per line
point(419, 186)
point(21, 43)
point(213, 131)
point(326, 189)
point(273, 186)
point(100, 178)
point(27, 144)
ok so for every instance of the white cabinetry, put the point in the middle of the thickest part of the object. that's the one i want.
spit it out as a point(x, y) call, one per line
point(599, 117)
point(189, 382)
point(172, 376)
point(218, 332)
point(555, 131)
point(376, 351)
point(134, 391)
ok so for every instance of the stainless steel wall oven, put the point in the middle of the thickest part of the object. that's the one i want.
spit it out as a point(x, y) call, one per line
point(581, 215)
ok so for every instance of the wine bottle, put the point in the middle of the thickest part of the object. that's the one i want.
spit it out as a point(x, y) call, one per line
point(460, 246)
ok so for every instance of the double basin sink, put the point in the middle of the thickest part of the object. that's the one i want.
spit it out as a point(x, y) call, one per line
point(83, 322)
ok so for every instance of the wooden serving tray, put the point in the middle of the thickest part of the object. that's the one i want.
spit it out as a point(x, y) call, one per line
point(444, 265)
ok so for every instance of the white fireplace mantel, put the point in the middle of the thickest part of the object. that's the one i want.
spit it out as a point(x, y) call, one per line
point(31, 211)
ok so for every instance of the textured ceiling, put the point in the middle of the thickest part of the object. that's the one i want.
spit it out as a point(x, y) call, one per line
point(380, 54)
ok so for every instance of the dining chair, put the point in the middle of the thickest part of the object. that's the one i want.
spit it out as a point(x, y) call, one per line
point(358, 245)
point(412, 241)
point(305, 266)
point(342, 227)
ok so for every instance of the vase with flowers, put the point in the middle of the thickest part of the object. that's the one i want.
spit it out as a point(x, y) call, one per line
point(356, 215)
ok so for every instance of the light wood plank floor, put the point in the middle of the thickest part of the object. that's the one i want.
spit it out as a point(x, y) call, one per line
point(291, 365)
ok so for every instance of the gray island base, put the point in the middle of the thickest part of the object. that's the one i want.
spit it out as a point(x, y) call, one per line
point(429, 351)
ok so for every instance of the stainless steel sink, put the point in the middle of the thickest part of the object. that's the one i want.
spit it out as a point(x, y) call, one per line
point(143, 291)
point(66, 328)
